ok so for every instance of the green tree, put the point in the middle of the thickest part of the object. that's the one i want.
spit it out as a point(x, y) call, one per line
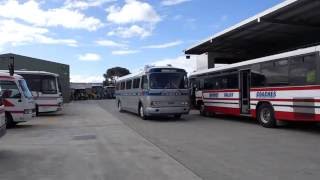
point(113, 73)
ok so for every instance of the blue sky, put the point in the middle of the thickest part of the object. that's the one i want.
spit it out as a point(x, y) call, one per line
point(94, 35)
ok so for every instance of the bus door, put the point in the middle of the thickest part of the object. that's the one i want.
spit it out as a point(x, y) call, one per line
point(244, 91)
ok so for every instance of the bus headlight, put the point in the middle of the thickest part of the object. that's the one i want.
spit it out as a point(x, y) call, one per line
point(185, 103)
point(155, 103)
point(28, 111)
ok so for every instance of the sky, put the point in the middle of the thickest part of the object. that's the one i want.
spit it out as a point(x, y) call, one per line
point(94, 35)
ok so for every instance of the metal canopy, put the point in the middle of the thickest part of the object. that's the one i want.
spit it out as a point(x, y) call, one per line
point(287, 26)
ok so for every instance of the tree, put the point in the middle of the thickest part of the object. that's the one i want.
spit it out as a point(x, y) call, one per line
point(113, 73)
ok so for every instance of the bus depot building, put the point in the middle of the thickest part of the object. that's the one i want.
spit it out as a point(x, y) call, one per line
point(273, 66)
point(34, 64)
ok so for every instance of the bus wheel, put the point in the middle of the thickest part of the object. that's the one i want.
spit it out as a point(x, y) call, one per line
point(37, 110)
point(177, 116)
point(120, 106)
point(141, 112)
point(9, 120)
point(203, 111)
point(266, 117)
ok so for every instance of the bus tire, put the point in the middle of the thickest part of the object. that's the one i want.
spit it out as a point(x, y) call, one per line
point(177, 116)
point(202, 110)
point(9, 120)
point(120, 109)
point(37, 110)
point(265, 116)
point(141, 112)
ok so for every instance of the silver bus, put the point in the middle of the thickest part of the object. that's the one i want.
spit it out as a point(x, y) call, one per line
point(155, 91)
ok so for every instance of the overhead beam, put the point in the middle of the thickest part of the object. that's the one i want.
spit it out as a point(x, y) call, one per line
point(289, 23)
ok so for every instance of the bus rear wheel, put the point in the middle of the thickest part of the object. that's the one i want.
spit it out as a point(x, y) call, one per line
point(265, 116)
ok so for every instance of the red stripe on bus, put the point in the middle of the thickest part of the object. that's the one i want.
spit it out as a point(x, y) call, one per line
point(287, 100)
point(290, 88)
point(224, 110)
point(223, 99)
point(222, 90)
point(7, 77)
point(7, 103)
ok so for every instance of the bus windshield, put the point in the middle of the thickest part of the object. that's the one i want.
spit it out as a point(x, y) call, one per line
point(168, 81)
point(25, 89)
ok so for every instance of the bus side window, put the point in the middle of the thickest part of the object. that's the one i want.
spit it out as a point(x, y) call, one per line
point(144, 82)
point(136, 83)
point(122, 85)
point(129, 84)
point(303, 70)
point(276, 72)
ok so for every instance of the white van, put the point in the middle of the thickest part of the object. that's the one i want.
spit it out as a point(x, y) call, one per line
point(18, 102)
point(46, 90)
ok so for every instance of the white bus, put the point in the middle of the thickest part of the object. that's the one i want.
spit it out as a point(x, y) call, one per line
point(46, 90)
point(283, 87)
point(154, 91)
point(17, 99)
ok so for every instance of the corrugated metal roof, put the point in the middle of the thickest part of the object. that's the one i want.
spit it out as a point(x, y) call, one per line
point(289, 25)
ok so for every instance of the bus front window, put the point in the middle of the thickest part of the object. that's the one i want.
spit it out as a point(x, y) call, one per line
point(49, 86)
point(25, 89)
point(168, 81)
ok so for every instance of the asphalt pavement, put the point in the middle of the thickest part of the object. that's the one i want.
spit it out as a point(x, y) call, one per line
point(232, 147)
point(91, 140)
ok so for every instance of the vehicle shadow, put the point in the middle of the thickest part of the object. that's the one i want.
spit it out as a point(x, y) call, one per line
point(310, 127)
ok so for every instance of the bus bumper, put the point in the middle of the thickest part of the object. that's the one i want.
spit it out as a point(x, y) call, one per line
point(3, 130)
point(22, 116)
point(152, 111)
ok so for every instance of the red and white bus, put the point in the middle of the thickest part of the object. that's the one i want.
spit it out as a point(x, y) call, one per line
point(18, 102)
point(282, 87)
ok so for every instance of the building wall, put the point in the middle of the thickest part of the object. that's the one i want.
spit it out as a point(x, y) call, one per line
point(33, 64)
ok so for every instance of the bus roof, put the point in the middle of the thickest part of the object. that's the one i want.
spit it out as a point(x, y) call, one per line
point(144, 71)
point(36, 72)
point(5, 74)
point(259, 60)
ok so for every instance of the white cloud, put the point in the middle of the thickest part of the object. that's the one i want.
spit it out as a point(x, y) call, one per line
point(181, 62)
point(172, 2)
point(124, 52)
point(86, 78)
point(109, 43)
point(132, 31)
point(14, 33)
point(31, 12)
point(165, 45)
point(89, 57)
point(133, 11)
point(84, 4)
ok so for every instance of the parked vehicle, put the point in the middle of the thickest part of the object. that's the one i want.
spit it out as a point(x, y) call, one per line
point(46, 90)
point(109, 92)
point(17, 99)
point(154, 91)
point(2, 117)
point(279, 87)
